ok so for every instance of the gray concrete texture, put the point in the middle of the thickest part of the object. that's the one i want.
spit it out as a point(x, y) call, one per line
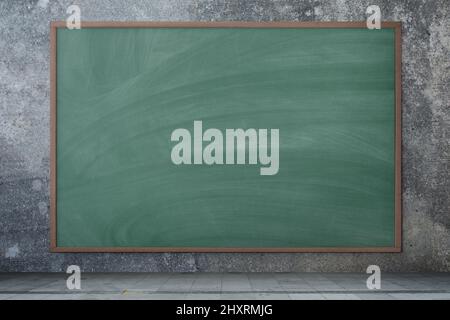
point(225, 286)
point(24, 133)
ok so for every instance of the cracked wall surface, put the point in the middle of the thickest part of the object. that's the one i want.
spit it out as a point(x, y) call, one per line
point(24, 133)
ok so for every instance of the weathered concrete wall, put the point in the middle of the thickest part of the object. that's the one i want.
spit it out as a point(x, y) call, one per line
point(24, 133)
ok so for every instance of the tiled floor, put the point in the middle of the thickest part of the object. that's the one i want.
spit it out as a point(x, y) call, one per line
point(298, 286)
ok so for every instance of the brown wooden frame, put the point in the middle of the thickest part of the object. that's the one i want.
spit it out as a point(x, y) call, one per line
point(97, 24)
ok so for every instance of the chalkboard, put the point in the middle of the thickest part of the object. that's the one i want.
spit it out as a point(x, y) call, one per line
point(225, 137)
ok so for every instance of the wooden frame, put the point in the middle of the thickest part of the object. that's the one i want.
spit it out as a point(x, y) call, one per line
point(97, 24)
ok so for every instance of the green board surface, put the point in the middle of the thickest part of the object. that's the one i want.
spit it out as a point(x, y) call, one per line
point(121, 92)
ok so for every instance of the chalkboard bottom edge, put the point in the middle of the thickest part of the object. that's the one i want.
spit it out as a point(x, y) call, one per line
point(223, 250)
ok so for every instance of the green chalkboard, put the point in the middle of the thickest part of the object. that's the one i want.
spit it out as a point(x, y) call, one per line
point(136, 168)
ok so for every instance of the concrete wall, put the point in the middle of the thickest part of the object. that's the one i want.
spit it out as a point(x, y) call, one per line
point(24, 133)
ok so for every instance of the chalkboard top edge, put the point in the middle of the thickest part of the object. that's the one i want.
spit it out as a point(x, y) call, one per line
point(227, 24)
